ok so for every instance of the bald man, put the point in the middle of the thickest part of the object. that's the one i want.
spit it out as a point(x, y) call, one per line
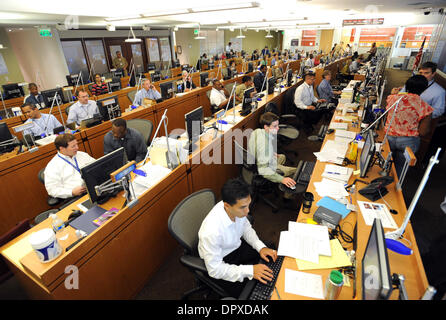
point(148, 91)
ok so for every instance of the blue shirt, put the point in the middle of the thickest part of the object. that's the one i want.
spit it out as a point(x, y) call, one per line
point(324, 90)
point(149, 94)
point(434, 96)
point(45, 124)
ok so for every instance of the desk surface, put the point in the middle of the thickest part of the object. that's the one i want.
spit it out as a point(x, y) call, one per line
point(409, 266)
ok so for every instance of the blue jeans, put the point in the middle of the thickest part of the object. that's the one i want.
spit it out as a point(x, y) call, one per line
point(398, 145)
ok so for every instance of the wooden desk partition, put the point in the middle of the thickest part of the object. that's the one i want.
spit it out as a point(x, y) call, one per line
point(117, 259)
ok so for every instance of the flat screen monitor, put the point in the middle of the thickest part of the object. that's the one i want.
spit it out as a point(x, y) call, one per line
point(151, 66)
point(98, 172)
point(194, 126)
point(376, 277)
point(12, 90)
point(115, 84)
point(367, 153)
point(6, 136)
point(204, 78)
point(48, 97)
point(289, 77)
point(118, 73)
point(72, 79)
point(167, 89)
point(156, 76)
point(250, 67)
point(109, 108)
point(271, 84)
point(247, 98)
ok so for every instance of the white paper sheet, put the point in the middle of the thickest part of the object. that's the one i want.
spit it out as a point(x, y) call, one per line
point(319, 233)
point(296, 246)
point(371, 210)
point(303, 284)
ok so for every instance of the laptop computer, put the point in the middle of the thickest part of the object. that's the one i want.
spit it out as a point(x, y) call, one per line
point(61, 129)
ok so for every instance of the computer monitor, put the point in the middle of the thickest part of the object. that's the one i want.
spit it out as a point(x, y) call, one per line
point(376, 277)
point(115, 84)
point(118, 73)
point(289, 77)
point(48, 97)
point(247, 99)
point(151, 66)
point(5, 136)
point(109, 108)
point(194, 127)
point(367, 153)
point(204, 78)
point(72, 79)
point(98, 172)
point(167, 89)
point(12, 90)
point(156, 76)
point(271, 84)
point(250, 67)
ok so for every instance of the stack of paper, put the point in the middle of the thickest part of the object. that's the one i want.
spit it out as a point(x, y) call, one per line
point(304, 241)
point(345, 134)
point(338, 125)
point(332, 152)
point(338, 259)
point(337, 173)
point(154, 174)
point(331, 188)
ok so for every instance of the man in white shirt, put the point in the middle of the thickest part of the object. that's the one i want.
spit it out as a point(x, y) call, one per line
point(219, 95)
point(228, 258)
point(62, 174)
point(82, 109)
point(304, 100)
point(44, 123)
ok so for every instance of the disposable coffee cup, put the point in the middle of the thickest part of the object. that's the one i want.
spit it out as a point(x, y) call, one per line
point(307, 202)
point(45, 245)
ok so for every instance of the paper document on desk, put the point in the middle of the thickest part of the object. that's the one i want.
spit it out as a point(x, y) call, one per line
point(303, 284)
point(338, 259)
point(317, 232)
point(294, 245)
point(154, 174)
point(330, 188)
point(332, 151)
point(345, 134)
point(338, 125)
point(372, 210)
point(337, 173)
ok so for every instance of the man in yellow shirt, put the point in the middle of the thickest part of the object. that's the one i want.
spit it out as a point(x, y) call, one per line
point(240, 89)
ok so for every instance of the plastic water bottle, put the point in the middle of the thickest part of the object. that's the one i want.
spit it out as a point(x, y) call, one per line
point(58, 224)
point(333, 285)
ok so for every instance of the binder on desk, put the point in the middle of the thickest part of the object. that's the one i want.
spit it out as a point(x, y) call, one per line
point(334, 205)
point(85, 221)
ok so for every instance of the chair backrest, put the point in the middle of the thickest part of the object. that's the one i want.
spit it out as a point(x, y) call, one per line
point(288, 101)
point(67, 109)
point(186, 219)
point(40, 175)
point(143, 126)
point(272, 107)
point(229, 86)
point(243, 156)
point(131, 95)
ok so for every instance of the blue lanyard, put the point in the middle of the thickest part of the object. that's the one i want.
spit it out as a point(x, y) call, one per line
point(74, 166)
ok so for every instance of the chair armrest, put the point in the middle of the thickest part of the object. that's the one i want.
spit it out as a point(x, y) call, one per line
point(288, 116)
point(53, 201)
point(194, 262)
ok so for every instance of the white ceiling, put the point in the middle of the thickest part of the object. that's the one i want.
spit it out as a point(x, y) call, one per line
point(266, 14)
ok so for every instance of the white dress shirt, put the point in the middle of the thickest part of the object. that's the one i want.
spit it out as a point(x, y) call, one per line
point(61, 177)
point(79, 112)
point(218, 237)
point(217, 97)
point(304, 96)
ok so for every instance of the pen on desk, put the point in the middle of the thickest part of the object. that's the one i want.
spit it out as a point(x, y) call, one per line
point(277, 292)
point(334, 173)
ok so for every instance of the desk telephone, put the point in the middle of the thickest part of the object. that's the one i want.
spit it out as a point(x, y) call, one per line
point(377, 188)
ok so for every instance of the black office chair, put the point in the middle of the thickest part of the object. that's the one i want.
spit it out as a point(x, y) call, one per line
point(183, 224)
point(289, 108)
point(249, 173)
point(52, 201)
point(287, 133)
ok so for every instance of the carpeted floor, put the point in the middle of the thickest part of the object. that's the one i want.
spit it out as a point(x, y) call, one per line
point(428, 221)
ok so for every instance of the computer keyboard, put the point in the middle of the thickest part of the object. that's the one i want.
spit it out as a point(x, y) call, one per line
point(263, 291)
point(305, 174)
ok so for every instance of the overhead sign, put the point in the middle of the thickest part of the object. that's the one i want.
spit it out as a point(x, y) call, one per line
point(361, 22)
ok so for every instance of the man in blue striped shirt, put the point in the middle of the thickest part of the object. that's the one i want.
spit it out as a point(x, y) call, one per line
point(148, 91)
point(44, 123)
point(434, 95)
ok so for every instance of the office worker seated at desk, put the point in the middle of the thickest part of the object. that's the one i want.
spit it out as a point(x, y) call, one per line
point(355, 65)
point(34, 96)
point(229, 245)
point(260, 77)
point(263, 145)
point(187, 84)
point(62, 174)
point(148, 91)
point(44, 123)
point(412, 120)
point(240, 89)
point(219, 95)
point(121, 136)
point(304, 99)
point(325, 90)
point(82, 109)
point(99, 87)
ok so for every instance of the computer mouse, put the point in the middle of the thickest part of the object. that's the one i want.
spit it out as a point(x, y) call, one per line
point(74, 214)
point(293, 187)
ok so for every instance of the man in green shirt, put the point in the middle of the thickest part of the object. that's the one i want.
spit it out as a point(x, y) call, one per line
point(240, 89)
point(120, 62)
point(261, 145)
